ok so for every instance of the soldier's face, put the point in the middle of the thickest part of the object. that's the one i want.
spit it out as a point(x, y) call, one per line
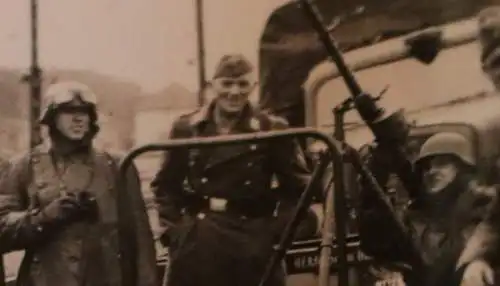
point(232, 92)
point(439, 172)
point(74, 124)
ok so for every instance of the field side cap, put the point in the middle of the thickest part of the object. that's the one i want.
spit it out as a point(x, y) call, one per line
point(233, 65)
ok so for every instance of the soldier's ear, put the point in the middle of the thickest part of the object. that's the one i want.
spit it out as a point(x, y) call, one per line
point(252, 87)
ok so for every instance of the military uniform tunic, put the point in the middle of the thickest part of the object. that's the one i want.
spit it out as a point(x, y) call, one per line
point(440, 229)
point(80, 254)
point(219, 203)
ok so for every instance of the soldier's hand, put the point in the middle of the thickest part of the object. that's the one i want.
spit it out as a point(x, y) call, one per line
point(165, 238)
point(62, 210)
point(88, 206)
point(478, 273)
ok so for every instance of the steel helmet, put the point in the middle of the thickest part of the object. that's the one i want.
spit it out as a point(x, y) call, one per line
point(67, 93)
point(448, 143)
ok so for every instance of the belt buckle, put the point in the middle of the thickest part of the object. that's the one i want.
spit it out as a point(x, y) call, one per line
point(218, 204)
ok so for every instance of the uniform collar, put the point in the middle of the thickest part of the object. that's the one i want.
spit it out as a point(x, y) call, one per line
point(66, 151)
point(248, 117)
point(203, 114)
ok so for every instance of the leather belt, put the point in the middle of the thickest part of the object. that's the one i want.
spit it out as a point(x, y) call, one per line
point(247, 208)
point(217, 204)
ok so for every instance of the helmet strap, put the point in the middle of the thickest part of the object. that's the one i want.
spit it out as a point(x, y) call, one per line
point(62, 141)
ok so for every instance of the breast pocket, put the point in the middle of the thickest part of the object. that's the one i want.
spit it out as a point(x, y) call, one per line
point(45, 193)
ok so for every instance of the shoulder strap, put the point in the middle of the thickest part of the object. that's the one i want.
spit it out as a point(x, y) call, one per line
point(39, 160)
point(35, 157)
point(110, 165)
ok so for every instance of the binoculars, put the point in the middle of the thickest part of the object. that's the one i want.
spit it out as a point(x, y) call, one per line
point(88, 205)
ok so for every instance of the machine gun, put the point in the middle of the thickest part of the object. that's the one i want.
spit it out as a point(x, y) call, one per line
point(390, 131)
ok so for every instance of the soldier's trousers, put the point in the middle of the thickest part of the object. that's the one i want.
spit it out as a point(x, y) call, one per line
point(215, 249)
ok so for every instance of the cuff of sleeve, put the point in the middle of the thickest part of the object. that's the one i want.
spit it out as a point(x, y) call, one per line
point(459, 272)
point(37, 220)
point(319, 214)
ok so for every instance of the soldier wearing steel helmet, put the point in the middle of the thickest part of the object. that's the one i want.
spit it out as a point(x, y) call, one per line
point(451, 206)
point(217, 203)
point(58, 203)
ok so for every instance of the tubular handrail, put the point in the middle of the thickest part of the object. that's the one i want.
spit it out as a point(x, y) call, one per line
point(334, 146)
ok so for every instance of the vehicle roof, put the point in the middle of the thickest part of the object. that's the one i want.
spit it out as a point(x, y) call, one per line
point(460, 32)
point(289, 49)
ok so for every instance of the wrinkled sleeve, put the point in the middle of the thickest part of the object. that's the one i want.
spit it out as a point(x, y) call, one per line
point(380, 237)
point(168, 182)
point(384, 234)
point(484, 243)
point(289, 164)
point(18, 227)
point(379, 233)
point(146, 259)
point(293, 173)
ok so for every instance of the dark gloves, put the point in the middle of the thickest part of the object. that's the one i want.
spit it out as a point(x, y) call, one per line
point(68, 209)
point(88, 206)
point(165, 237)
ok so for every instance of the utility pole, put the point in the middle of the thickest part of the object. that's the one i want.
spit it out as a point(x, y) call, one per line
point(35, 79)
point(201, 52)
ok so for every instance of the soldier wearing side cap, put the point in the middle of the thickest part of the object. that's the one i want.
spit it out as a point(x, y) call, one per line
point(216, 202)
point(58, 204)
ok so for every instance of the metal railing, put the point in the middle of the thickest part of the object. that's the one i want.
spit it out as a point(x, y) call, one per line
point(335, 148)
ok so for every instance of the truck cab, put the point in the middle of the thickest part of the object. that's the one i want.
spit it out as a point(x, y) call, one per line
point(450, 94)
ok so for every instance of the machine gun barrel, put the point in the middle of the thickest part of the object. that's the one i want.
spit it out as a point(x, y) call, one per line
point(390, 133)
point(330, 45)
point(389, 130)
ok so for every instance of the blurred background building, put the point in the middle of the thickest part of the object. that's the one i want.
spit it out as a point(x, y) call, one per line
point(128, 116)
point(153, 118)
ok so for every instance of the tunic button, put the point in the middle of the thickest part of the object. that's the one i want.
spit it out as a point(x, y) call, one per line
point(41, 185)
point(201, 216)
point(36, 259)
point(247, 183)
point(253, 147)
point(191, 163)
point(119, 256)
point(250, 164)
point(243, 217)
point(204, 180)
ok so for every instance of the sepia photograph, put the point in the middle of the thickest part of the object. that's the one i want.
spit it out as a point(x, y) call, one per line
point(250, 143)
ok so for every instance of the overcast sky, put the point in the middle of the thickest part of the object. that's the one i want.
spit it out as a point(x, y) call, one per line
point(151, 42)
